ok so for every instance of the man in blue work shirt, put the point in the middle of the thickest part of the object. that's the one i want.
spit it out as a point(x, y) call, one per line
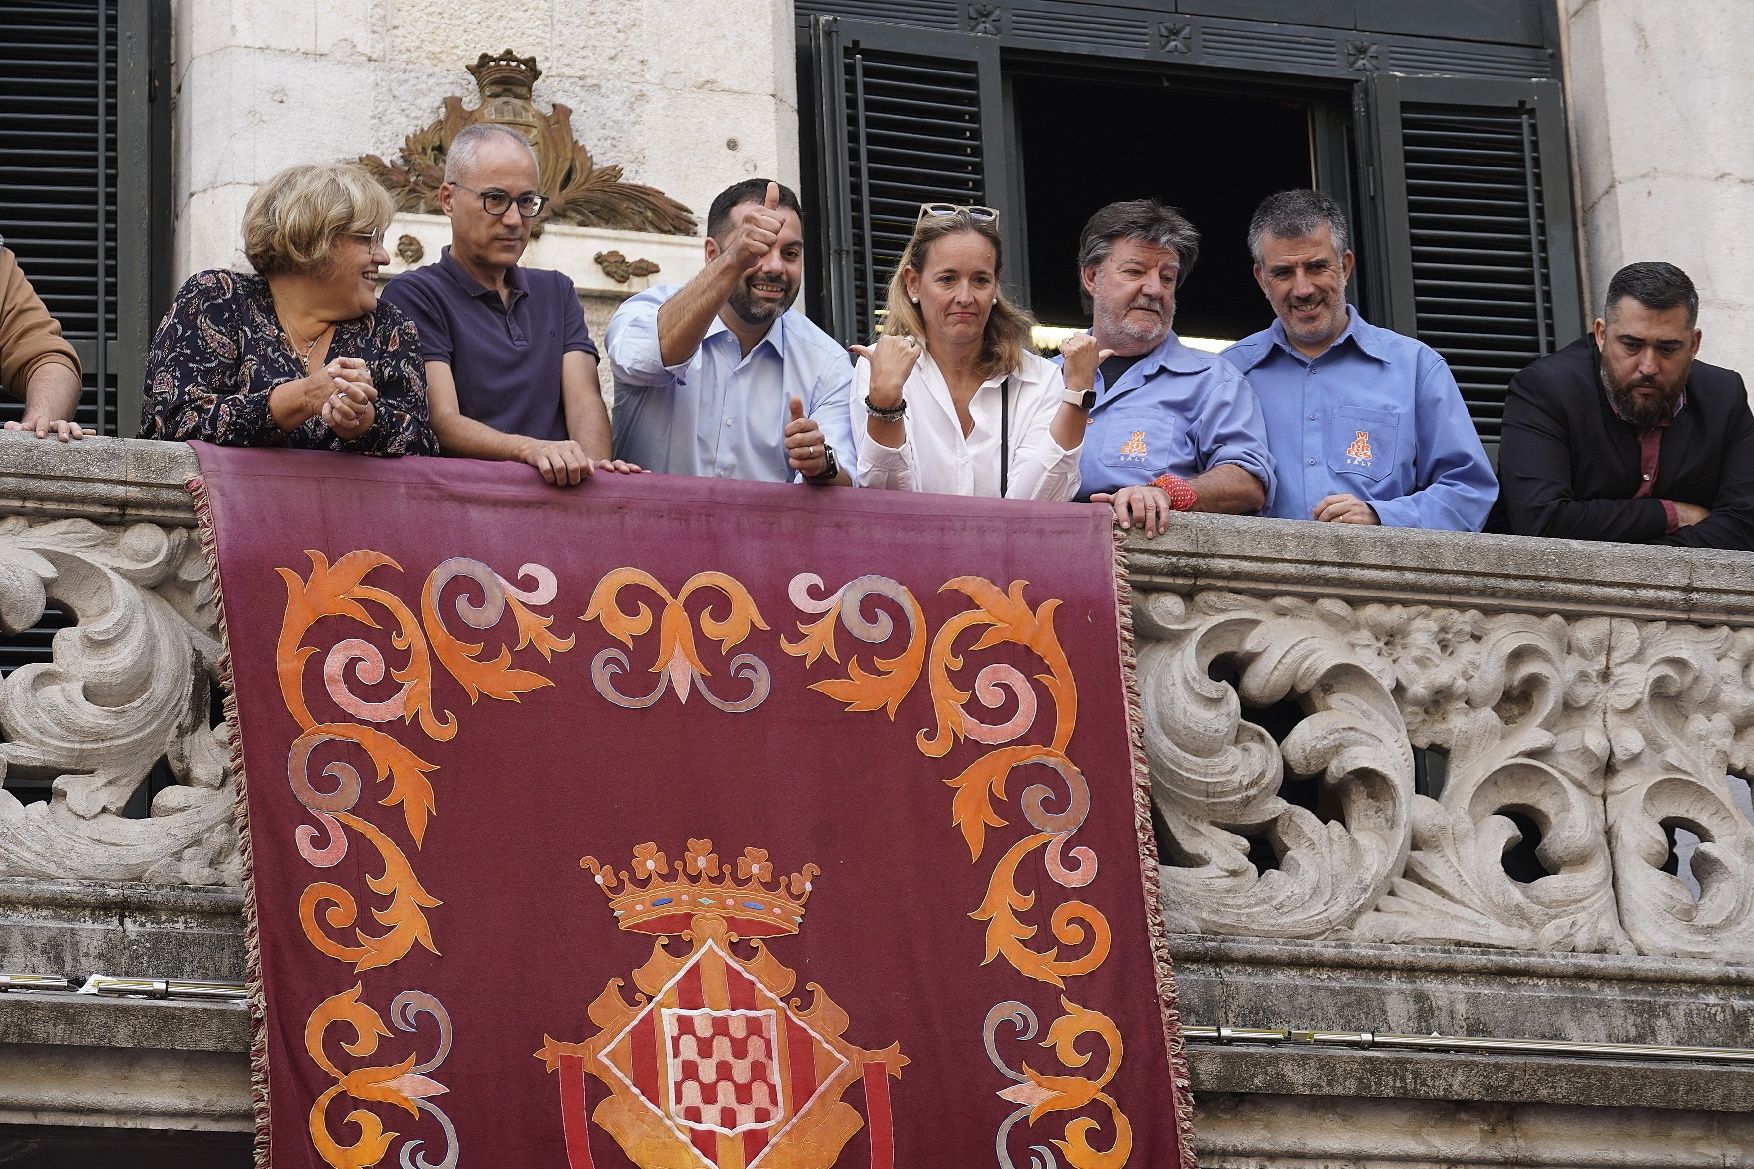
point(720, 376)
point(1171, 428)
point(1366, 426)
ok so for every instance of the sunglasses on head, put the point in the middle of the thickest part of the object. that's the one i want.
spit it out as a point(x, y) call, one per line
point(975, 212)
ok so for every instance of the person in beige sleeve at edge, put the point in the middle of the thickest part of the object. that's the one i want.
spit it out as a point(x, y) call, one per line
point(37, 363)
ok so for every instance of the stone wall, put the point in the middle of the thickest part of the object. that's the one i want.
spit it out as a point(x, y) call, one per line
point(687, 95)
point(1355, 736)
point(1661, 102)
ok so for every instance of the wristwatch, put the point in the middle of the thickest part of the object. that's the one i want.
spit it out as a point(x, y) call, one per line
point(830, 467)
point(1083, 399)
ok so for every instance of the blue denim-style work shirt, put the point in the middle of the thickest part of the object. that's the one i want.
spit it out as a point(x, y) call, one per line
point(722, 414)
point(1377, 416)
point(1177, 411)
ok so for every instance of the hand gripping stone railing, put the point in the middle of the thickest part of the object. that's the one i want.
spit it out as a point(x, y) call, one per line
point(1602, 694)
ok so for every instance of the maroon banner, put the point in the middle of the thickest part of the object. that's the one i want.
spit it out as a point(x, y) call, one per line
point(677, 822)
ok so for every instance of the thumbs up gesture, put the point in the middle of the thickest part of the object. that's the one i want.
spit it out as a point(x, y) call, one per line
point(760, 229)
point(1082, 358)
point(805, 450)
point(892, 358)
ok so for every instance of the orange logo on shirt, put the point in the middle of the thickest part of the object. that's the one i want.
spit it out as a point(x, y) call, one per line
point(1135, 446)
point(1359, 452)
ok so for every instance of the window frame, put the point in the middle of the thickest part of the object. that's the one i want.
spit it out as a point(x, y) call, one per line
point(1210, 48)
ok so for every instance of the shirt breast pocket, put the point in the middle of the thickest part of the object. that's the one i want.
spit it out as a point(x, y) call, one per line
point(1141, 439)
point(1362, 441)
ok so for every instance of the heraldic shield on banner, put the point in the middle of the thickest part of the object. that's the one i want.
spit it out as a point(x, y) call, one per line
point(712, 1064)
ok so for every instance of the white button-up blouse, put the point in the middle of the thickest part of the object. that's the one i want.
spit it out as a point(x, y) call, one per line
point(937, 457)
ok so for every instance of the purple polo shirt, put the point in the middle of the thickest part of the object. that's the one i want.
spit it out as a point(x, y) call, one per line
point(505, 361)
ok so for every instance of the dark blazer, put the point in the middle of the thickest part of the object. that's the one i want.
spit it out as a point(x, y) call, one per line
point(1568, 466)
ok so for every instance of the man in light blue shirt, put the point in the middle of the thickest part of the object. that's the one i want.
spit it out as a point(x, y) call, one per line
point(721, 376)
point(1366, 426)
point(1171, 428)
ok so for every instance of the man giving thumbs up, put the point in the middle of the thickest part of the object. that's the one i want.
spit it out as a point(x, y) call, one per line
point(720, 376)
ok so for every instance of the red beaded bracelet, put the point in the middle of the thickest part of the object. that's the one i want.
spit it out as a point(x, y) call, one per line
point(1181, 496)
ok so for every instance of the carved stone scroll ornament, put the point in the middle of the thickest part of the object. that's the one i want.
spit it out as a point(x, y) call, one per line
point(1680, 720)
point(128, 685)
point(1514, 700)
point(578, 190)
point(1607, 735)
point(1217, 776)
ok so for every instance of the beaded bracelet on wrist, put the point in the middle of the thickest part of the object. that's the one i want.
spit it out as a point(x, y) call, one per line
point(893, 413)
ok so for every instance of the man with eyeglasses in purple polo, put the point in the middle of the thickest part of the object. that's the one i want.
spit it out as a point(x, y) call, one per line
point(511, 372)
point(721, 377)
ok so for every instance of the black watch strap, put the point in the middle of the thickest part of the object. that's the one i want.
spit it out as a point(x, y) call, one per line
point(830, 467)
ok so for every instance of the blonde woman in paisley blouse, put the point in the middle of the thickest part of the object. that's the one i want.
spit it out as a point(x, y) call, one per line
point(952, 398)
point(299, 353)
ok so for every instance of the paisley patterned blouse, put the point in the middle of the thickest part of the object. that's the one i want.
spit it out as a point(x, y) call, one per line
point(220, 351)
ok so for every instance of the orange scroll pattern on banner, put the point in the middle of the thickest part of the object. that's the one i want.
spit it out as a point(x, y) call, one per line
point(678, 663)
point(328, 768)
point(1094, 1132)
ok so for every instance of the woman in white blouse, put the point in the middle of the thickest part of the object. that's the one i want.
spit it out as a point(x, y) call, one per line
point(952, 398)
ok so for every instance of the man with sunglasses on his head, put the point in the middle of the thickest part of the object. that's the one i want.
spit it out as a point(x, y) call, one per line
point(511, 372)
point(720, 376)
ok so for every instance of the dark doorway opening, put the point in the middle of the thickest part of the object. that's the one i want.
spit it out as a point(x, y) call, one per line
point(1083, 143)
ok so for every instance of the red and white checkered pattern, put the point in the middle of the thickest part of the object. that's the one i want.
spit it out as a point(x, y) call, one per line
point(724, 1073)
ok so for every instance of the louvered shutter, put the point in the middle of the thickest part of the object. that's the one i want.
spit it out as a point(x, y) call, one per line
point(75, 91)
point(1479, 253)
point(58, 176)
point(904, 116)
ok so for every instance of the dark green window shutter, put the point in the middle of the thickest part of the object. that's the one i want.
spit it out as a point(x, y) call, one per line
point(1478, 255)
point(84, 135)
point(84, 182)
point(904, 116)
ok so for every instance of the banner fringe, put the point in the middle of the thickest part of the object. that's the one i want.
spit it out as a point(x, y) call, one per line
point(1163, 966)
point(197, 487)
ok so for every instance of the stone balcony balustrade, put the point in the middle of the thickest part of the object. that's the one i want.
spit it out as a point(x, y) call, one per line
point(1410, 782)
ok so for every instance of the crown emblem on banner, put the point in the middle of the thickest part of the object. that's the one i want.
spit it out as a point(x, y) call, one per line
point(655, 896)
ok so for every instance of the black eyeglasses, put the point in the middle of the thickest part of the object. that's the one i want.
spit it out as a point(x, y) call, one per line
point(973, 211)
point(497, 203)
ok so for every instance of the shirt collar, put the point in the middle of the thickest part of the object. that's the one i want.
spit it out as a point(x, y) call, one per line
point(473, 288)
point(775, 336)
point(1365, 337)
point(926, 363)
point(1170, 354)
